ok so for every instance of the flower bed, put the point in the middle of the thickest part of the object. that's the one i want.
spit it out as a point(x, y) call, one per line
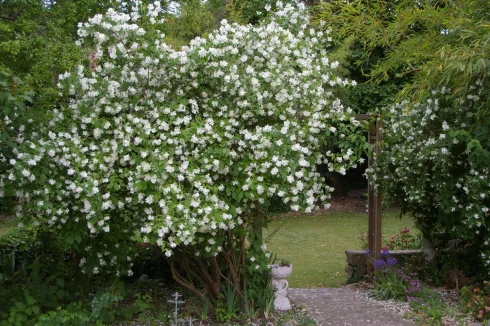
point(357, 264)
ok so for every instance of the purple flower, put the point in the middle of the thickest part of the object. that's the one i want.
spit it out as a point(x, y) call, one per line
point(368, 253)
point(379, 264)
point(391, 261)
point(385, 253)
point(415, 286)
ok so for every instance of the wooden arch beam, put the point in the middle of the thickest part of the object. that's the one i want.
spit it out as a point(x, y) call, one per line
point(374, 195)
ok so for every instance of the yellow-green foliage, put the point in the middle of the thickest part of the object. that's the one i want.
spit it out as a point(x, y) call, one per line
point(430, 42)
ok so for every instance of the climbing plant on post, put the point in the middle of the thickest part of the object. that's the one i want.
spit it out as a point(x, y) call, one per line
point(185, 149)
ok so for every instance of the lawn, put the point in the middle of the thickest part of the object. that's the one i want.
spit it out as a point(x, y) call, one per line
point(316, 244)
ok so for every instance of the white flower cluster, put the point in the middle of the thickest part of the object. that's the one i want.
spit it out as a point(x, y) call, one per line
point(179, 146)
point(433, 165)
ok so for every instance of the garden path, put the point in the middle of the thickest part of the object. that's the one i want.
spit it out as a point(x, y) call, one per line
point(345, 307)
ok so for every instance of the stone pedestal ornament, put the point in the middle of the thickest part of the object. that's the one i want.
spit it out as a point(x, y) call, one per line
point(279, 274)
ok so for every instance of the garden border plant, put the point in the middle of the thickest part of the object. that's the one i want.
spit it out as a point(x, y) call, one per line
point(399, 282)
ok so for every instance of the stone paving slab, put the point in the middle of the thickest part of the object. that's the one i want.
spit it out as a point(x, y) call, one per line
point(344, 307)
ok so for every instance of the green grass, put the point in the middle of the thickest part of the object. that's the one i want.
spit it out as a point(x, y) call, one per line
point(316, 244)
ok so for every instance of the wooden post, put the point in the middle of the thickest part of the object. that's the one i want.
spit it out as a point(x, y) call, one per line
point(371, 200)
point(374, 197)
point(377, 196)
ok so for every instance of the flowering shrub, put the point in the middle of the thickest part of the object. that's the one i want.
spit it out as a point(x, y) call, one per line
point(181, 148)
point(434, 163)
point(13, 118)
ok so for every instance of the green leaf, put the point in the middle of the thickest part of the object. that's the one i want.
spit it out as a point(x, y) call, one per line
point(19, 305)
point(60, 282)
point(43, 292)
point(35, 310)
point(11, 143)
point(121, 288)
point(30, 300)
point(239, 195)
point(20, 105)
point(52, 289)
point(127, 313)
